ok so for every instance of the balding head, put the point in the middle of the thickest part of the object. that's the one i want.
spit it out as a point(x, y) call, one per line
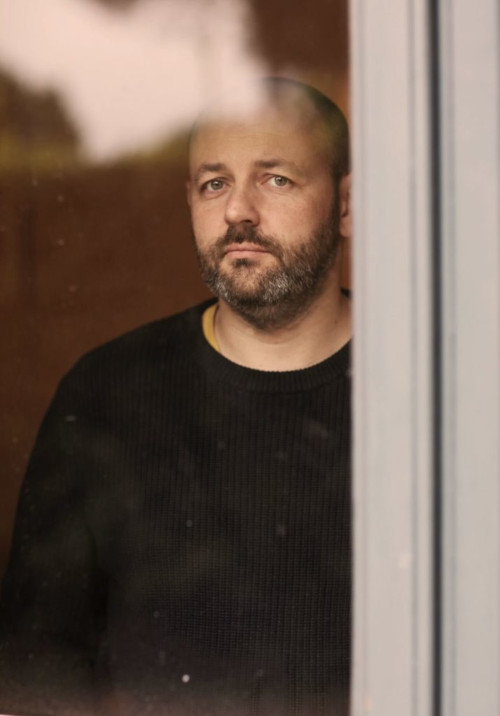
point(300, 103)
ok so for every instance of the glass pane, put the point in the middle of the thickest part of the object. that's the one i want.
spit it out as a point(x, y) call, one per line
point(97, 102)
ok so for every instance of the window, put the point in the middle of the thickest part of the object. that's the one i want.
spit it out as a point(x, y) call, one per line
point(426, 139)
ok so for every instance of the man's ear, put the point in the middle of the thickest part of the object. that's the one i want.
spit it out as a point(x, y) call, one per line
point(344, 198)
point(188, 192)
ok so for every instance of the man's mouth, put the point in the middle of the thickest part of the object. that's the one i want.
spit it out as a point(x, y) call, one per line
point(244, 250)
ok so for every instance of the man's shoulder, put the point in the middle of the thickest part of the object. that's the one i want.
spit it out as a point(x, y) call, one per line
point(152, 342)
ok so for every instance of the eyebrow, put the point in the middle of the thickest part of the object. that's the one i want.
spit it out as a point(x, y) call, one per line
point(274, 163)
point(207, 168)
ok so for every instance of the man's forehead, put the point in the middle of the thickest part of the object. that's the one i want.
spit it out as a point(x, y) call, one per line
point(260, 126)
point(222, 147)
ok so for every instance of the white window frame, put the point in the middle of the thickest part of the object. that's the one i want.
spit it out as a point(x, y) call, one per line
point(426, 118)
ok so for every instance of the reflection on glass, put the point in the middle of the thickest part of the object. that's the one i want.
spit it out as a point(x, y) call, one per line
point(129, 78)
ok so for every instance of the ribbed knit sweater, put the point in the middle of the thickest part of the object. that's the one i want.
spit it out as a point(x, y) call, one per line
point(182, 544)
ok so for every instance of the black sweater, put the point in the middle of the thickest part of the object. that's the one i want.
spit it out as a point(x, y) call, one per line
point(182, 544)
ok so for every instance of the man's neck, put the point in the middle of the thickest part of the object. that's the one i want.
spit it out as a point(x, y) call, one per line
point(314, 336)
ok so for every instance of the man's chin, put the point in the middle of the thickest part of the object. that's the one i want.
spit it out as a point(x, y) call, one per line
point(238, 296)
point(247, 279)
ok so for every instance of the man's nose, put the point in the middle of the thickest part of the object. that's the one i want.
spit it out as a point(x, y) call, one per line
point(241, 206)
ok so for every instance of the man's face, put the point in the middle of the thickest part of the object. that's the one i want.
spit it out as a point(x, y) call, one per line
point(264, 212)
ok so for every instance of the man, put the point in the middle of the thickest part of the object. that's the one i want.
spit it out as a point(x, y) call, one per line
point(183, 539)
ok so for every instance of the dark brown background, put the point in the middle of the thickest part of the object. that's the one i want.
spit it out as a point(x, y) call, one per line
point(89, 252)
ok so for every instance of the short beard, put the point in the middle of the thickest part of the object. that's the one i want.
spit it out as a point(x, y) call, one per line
point(271, 298)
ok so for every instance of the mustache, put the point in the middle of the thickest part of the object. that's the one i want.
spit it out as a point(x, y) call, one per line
point(242, 234)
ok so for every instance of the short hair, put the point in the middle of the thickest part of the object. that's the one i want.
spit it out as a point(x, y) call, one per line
point(331, 116)
point(285, 90)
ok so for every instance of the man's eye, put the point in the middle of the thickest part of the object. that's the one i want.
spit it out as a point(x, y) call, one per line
point(280, 181)
point(213, 185)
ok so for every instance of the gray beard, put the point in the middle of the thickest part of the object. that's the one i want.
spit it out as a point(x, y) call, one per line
point(271, 297)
